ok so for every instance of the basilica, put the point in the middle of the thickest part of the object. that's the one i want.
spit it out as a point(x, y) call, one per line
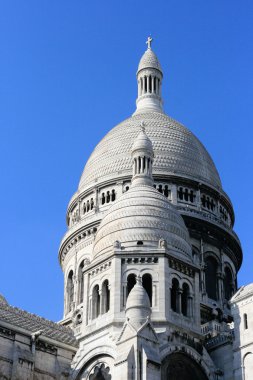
point(150, 262)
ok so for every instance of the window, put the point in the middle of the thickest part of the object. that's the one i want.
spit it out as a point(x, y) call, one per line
point(131, 281)
point(95, 302)
point(174, 295)
point(147, 285)
point(70, 290)
point(228, 284)
point(105, 297)
point(81, 282)
point(211, 281)
point(245, 321)
point(185, 300)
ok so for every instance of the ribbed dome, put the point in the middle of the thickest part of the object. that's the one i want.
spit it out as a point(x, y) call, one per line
point(149, 60)
point(177, 152)
point(142, 214)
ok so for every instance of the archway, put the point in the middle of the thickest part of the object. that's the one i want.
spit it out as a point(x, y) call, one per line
point(180, 366)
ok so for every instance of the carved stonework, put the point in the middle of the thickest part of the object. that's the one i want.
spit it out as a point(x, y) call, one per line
point(181, 267)
point(100, 372)
point(46, 347)
point(6, 333)
point(140, 260)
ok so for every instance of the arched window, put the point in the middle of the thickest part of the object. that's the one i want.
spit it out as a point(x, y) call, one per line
point(147, 285)
point(131, 281)
point(103, 199)
point(91, 204)
point(105, 297)
point(108, 197)
point(81, 281)
point(185, 300)
point(84, 208)
point(166, 191)
point(88, 206)
point(174, 295)
point(228, 284)
point(113, 195)
point(211, 278)
point(70, 290)
point(180, 193)
point(95, 302)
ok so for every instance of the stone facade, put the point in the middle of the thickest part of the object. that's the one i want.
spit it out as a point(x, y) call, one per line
point(150, 262)
point(33, 348)
point(242, 309)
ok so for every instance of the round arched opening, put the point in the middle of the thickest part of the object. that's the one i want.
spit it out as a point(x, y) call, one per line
point(180, 366)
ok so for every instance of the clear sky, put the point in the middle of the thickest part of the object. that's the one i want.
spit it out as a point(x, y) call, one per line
point(67, 76)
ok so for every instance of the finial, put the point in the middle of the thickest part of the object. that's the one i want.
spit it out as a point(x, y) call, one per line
point(138, 280)
point(148, 42)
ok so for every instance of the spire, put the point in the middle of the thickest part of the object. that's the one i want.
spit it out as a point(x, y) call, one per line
point(142, 157)
point(149, 79)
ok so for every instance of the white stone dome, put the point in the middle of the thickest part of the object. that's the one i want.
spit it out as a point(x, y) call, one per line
point(143, 215)
point(177, 152)
point(149, 61)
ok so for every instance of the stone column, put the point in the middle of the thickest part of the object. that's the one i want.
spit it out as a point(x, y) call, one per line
point(190, 305)
point(152, 82)
point(220, 285)
point(141, 170)
point(174, 194)
point(198, 199)
point(101, 302)
point(179, 300)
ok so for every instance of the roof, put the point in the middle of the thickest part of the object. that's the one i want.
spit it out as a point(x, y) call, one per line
point(177, 152)
point(32, 323)
point(242, 293)
point(142, 214)
point(149, 60)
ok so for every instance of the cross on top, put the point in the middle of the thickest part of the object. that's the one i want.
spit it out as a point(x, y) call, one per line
point(148, 42)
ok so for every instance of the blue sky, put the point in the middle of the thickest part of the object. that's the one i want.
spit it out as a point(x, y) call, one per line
point(67, 76)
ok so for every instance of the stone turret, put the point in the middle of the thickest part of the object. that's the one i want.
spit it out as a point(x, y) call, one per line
point(149, 78)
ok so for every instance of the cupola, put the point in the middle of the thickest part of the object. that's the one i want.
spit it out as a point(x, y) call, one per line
point(149, 79)
point(142, 156)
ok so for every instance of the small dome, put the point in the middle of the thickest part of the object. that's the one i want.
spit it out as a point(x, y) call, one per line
point(142, 142)
point(3, 300)
point(149, 60)
point(138, 304)
point(142, 214)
